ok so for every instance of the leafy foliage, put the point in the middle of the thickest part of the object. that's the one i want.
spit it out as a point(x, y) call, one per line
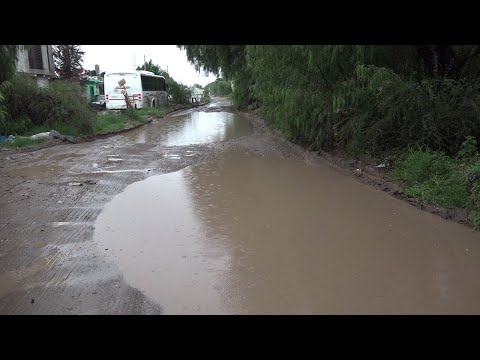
point(219, 87)
point(180, 93)
point(433, 177)
point(363, 99)
point(8, 57)
point(61, 104)
point(68, 61)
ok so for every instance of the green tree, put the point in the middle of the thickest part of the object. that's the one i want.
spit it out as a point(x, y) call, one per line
point(179, 92)
point(228, 61)
point(149, 66)
point(220, 87)
point(361, 98)
point(68, 61)
point(8, 58)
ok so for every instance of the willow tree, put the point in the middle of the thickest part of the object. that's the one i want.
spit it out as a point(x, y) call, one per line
point(360, 98)
point(227, 61)
point(150, 66)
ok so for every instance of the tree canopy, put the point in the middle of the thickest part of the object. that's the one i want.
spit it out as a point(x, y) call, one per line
point(68, 61)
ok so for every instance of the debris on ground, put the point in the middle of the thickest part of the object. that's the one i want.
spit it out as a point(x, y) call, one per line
point(381, 165)
point(77, 183)
point(56, 135)
point(5, 138)
point(40, 135)
point(114, 159)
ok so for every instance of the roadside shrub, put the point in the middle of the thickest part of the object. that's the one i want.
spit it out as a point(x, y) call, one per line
point(61, 105)
point(133, 114)
point(220, 87)
point(179, 92)
point(473, 184)
point(468, 149)
point(381, 111)
point(436, 178)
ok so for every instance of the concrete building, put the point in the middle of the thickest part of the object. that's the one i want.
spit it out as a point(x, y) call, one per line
point(93, 83)
point(92, 88)
point(197, 94)
point(37, 61)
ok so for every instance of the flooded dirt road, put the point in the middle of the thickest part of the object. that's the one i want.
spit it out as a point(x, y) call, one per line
point(207, 212)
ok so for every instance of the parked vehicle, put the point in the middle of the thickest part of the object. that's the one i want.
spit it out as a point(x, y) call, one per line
point(99, 102)
point(143, 89)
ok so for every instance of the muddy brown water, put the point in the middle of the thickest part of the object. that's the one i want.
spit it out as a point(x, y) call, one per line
point(206, 214)
point(194, 128)
point(252, 234)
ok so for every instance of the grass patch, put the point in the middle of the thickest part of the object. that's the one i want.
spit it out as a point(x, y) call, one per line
point(435, 178)
point(149, 111)
point(22, 142)
point(115, 121)
point(62, 128)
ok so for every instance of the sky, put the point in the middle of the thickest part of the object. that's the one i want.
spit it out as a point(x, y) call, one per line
point(128, 57)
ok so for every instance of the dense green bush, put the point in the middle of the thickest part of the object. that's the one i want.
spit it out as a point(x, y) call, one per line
point(219, 87)
point(362, 99)
point(179, 92)
point(433, 177)
point(60, 106)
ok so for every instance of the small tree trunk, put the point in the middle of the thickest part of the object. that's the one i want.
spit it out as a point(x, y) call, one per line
point(127, 101)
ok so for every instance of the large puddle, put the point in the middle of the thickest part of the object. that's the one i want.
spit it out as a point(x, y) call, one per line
point(193, 128)
point(250, 234)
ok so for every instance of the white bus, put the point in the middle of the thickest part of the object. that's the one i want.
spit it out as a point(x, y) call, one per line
point(143, 88)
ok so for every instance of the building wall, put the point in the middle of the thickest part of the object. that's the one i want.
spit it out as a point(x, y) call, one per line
point(22, 60)
point(42, 81)
point(88, 92)
point(48, 69)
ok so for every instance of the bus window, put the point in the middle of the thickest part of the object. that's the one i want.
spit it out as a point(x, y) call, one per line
point(150, 83)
